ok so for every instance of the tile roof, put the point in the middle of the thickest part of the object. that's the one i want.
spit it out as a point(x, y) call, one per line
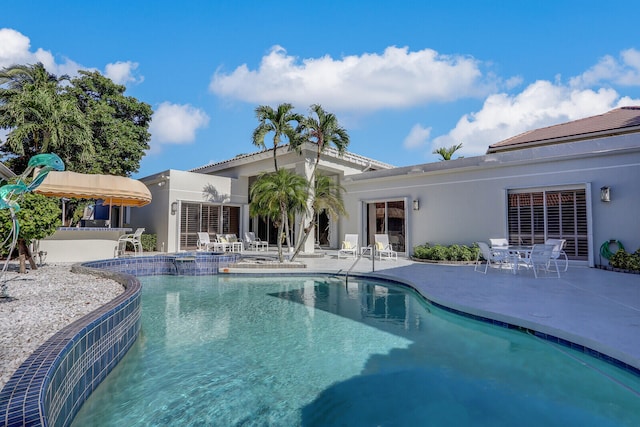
point(620, 120)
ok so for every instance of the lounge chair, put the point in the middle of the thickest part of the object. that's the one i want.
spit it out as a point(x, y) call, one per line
point(235, 244)
point(558, 250)
point(499, 257)
point(205, 243)
point(540, 258)
point(384, 248)
point(254, 242)
point(134, 239)
point(349, 246)
point(221, 243)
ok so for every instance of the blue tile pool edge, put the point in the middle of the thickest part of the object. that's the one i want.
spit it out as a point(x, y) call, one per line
point(51, 385)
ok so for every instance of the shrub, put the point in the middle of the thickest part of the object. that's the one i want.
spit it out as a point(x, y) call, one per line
point(148, 241)
point(626, 261)
point(446, 253)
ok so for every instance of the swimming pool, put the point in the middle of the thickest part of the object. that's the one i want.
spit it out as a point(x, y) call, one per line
point(236, 350)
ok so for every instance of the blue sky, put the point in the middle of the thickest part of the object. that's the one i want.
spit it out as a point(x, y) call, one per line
point(403, 77)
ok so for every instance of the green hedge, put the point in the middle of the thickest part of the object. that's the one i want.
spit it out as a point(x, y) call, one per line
point(446, 253)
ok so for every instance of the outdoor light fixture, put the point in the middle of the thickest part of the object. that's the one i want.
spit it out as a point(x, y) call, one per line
point(416, 205)
point(605, 194)
point(174, 208)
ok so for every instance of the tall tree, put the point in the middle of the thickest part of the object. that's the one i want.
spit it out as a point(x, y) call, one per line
point(40, 117)
point(323, 129)
point(119, 124)
point(275, 195)
point(278, 122)
point(88, 121)
point(447, 153)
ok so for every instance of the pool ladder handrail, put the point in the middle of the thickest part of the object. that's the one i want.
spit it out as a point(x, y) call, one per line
point(358, 257)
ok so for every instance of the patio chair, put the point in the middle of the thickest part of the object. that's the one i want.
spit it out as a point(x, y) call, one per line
point(496, 257)
point(496, 243)
point(222, 243)
point(384, 248)
point(235, 244)
point(349, 246)
point(255, 242)
point(540, 258)
point(204, 243)
point(558, 250)
point(134, 239)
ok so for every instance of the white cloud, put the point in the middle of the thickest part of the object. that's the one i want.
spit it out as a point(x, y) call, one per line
point(625, 72)
point(417, 138)
point(539, 105)
point(15, 48)
point(123, 72)
point(397, 78)
point(176, 124)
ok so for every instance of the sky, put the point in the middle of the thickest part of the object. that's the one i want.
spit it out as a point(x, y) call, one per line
point(403, 78)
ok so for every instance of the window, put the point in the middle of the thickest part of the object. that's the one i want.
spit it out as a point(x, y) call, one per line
point(536, 216)
point(197, 217)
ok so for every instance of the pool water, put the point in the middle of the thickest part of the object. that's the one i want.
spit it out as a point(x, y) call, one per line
point(313, 351)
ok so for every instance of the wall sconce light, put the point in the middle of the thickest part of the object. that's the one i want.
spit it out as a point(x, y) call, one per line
point(174, 208)
point(605, 194)
point(416, 205)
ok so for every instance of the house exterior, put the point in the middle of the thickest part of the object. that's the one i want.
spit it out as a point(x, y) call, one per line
point(215, 198)
point(541, 184)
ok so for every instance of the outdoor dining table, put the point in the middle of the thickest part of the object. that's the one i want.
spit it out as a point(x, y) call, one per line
point(515, 253)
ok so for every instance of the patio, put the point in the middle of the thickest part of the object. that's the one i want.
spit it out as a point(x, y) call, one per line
point(594, 308)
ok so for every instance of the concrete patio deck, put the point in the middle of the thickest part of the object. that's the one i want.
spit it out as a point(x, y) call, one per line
point(591, 307)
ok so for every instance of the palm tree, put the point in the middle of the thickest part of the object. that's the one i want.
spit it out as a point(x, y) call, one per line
point(446, 153)
point(277, 121)
point(276, 195)
point(40, 117)
point(327, 198)
point(321, 128)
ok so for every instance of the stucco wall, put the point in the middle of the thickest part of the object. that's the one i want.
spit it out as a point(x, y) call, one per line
point(462, 201)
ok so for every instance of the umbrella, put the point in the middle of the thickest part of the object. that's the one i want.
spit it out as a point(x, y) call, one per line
point(114, 190)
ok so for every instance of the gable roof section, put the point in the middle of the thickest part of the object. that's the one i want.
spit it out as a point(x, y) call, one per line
point(347, 156)
point(618, 121)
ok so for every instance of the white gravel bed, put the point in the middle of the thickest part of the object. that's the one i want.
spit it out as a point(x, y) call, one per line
point(42, 302)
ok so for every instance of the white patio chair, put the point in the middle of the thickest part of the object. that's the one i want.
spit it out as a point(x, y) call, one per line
point(254, 242)
point(491, 256)
point(497, 243)
point(205, 243)
point(558, 250)
point(349, 246)
point(235, 244)
point(384, 248)
point(540, 258)
point(134, 239)
point(222, 243)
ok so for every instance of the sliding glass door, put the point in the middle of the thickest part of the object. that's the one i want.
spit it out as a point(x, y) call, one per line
point(387, 218)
